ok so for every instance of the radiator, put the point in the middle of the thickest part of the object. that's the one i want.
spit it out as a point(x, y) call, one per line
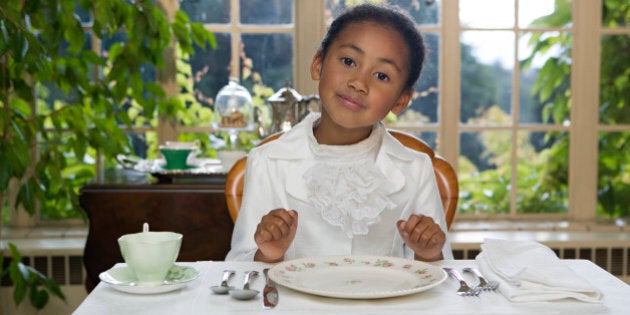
point(66, 270)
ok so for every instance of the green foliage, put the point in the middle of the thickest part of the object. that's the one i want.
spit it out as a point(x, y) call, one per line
point(28, 281)
point(541, 176)
point(613, 186)
point(50, 138)
point(62, 103)
point(613, 172)
point(552, 89)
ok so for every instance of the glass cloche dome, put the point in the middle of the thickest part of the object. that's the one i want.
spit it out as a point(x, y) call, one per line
point(233, 107)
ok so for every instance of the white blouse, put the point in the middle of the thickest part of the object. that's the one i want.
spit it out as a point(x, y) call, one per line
point(348, 198)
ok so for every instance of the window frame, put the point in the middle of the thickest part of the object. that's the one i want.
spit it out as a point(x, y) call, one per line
point(310, 25)
point(584, 129)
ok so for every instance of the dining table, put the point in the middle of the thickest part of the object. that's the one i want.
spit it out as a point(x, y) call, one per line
point(196, 297)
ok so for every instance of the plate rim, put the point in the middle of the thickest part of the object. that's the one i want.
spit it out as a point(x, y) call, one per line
point(362, 295)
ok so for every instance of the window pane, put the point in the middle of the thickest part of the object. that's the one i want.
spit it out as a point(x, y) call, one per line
point(545, 61)
point(266, 11)
point(484, 172)
point(486, 77)
point(424, 106)
point(614, 81)
point(147, 73)
point(84, 16)
point(270, 57)
point(207, 11)
point(477, 13)
point(544, 13)
point(613, 185)
point(211, 69)
point(542, 172)
point(51, 93)
point(615, 13)
point(490, 47)
point(140, 143)
point(423, 12)
point(430, 137)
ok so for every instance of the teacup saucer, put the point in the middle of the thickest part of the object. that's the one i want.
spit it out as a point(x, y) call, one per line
point(122, 279)
point(187, 167)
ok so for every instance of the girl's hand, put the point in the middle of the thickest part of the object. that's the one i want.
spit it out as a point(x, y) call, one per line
point(274, 234)
point(423, 236)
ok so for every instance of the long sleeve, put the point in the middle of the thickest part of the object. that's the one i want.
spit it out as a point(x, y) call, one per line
point(428, 202)
point(257, 196)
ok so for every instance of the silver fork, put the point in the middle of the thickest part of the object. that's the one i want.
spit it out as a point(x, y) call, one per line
point(484, 284)
point(464, 288)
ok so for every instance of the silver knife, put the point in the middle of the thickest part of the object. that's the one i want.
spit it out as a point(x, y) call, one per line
point(270, 292)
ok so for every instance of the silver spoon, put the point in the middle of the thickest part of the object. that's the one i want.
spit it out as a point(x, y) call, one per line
point(223, 288)
point(246, 293)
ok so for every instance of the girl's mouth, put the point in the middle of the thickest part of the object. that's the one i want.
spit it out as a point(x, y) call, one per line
point(350, 103)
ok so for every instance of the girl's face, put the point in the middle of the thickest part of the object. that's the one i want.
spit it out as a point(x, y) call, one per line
point(362, 76)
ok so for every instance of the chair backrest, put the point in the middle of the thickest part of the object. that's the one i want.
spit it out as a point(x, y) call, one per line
point(448, 184)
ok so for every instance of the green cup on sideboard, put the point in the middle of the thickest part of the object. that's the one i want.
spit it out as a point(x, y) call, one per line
point(176, 158)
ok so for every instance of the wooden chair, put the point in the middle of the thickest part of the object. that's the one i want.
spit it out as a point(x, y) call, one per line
point(444, 173)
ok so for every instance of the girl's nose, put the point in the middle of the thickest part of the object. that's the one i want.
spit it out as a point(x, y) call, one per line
point(359, 82)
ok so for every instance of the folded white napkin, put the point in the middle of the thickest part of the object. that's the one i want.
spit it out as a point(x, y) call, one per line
point(529, 271)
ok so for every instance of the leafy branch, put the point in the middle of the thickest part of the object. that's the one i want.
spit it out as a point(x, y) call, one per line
point(28, 281)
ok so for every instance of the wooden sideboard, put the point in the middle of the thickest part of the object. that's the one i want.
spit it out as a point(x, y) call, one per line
point(120, 206)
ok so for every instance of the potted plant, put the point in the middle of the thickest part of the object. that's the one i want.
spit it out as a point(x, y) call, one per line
point(57, 113)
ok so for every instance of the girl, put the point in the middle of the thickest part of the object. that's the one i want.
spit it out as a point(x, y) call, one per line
point(338, 183)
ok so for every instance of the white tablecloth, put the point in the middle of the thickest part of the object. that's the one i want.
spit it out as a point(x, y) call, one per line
point(196, 298)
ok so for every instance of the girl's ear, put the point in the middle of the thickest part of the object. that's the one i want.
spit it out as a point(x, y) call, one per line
point(402, 102)
point(316, 66)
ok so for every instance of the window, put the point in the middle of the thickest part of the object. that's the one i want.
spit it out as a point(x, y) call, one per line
point(514, 118)
point(255, 46)
point(510, 96)
point(613, 134)
point(516, 104)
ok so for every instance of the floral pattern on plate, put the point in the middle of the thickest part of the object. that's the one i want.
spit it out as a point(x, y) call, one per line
point(357, 277)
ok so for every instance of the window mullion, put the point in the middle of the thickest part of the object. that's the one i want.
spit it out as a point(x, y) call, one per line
point(310, 28)
point(514, 159)
point(450, 81)
point(583, 150)
point(235, 33)
point(166, 77)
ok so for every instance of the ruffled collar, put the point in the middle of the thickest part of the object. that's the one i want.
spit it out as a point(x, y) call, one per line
point(345, 185)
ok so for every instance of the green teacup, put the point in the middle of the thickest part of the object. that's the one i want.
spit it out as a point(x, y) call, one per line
point(176, 157)
point(150, 255)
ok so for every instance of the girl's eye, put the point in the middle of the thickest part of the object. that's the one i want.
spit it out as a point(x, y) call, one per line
point(347, 61)
point(382, 76)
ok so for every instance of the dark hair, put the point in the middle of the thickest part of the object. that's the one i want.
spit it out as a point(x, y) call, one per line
point(388, 16)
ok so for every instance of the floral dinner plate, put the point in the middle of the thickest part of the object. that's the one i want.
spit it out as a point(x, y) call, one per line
point(357, 277)
point(122, 279)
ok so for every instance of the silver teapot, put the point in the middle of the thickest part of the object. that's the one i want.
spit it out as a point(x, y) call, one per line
point(288, 108)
